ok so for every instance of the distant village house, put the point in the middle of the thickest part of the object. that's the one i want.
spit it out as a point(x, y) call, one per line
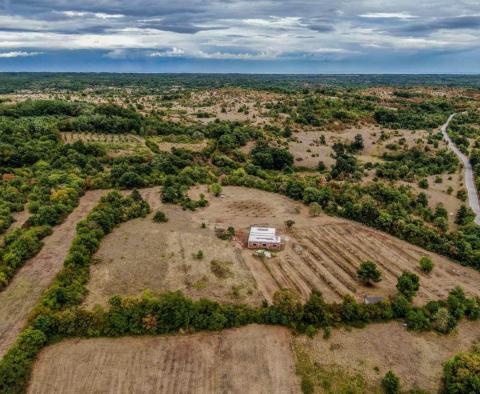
point(264, 238)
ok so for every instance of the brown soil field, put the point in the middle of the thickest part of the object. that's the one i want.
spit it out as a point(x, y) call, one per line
point(252, 359)
point(416, 358)
point(322, 253)
point(20, 218)
point(21, 295)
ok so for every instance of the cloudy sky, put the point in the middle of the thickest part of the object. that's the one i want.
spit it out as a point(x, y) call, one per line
point(273, 36)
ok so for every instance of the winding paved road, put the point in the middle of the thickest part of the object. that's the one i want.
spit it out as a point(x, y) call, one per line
point(469, 177)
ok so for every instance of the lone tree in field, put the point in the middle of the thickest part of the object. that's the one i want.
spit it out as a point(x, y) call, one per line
point(160, 217)
point(216, 189)
point(368, 273)
point(408, 284)
point(426, 264)
point(391, 383)
point(314, 209)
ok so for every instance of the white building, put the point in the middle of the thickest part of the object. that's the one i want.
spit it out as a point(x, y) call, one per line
point(264, 238)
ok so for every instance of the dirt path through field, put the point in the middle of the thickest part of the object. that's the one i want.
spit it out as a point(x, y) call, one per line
point(21, 295)
point(252, 359)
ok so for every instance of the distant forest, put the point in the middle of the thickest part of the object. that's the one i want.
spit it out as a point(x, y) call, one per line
point(11, 82)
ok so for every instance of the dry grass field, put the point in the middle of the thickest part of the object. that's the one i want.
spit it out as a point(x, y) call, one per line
point(252, 359)
point(161, 256)
point(438, 193)
point(167, 146)
point(359, 358)
point(127, 144)
point(114, 144)
point(322, 253)
point(305, 144)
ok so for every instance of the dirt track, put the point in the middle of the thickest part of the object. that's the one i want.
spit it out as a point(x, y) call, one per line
point(253, 359)
point(21, 295)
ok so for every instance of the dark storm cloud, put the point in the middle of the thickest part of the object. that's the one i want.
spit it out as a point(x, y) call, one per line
point(266, 30)
point(460, 22)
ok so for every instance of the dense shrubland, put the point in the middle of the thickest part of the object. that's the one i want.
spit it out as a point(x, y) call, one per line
point(415, 162)
point(32, 149)
point(462, 373)
point(48, 177)
point(415, 116)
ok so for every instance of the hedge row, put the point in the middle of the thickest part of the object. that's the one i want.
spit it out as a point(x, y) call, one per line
point(19, 245)
point(68, 289)
point(172, 312)
point(49, 205)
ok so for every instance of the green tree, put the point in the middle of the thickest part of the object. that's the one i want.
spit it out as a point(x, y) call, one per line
point(391, 383)
point(408, 284)
point(314, 209)
point(423, 183)
point(357, 143)
point(216, 189)
point(368, 273)
point(464, 216)
point(289, 223)
point(160, 217)
point(426, 264)
point(130, 180)
point(461, 374)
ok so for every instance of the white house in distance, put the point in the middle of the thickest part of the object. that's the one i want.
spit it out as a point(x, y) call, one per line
point(264, 238)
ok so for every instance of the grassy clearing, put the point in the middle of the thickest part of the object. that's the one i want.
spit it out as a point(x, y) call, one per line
point(328, 379)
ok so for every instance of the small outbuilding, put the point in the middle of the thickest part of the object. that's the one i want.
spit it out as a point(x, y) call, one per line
point(372, 299)
point(264, 238)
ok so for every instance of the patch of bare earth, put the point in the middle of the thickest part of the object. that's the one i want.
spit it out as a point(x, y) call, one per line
point(21, 295)
point(416, 358)
point(253, 359)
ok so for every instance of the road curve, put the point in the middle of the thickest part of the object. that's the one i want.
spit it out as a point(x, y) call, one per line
point(469, 177)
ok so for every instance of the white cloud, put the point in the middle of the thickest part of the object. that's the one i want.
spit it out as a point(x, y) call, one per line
point(6, 55)
point(392, 15)
point(169, 53)
point(100, 15)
